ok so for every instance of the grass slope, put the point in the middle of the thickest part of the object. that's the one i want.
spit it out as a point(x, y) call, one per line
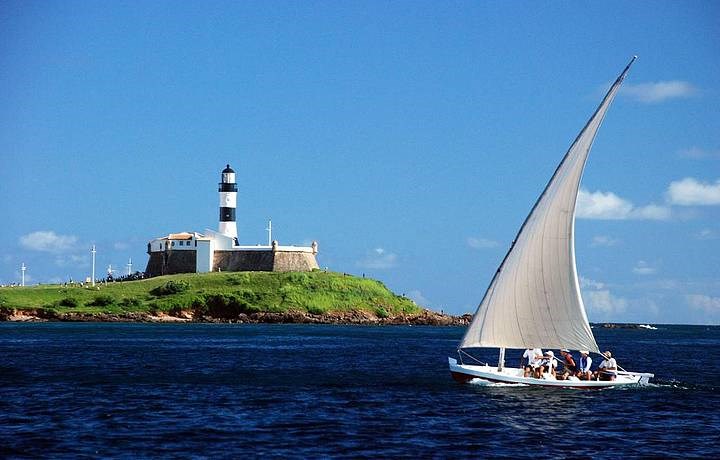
point(217, 294)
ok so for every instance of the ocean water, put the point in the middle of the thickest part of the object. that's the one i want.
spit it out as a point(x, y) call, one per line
point(72, 390)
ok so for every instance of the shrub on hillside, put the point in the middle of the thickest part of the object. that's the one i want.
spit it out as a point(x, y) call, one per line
point(70, 302)
point(171, 287)
point(380, 312)
point(247, 295)
point(153, 308)
point(128, 302)
point(102, 300)
point(226, 306)
point(242, 278)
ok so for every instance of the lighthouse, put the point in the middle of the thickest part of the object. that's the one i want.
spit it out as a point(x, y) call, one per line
point(228, 201)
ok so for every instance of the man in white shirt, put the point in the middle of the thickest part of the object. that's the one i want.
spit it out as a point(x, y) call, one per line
point(533, 357)
point(607, 370)
point(549, 364)
point(584, 364)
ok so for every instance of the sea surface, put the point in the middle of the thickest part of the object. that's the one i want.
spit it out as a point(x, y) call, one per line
point(94, 390)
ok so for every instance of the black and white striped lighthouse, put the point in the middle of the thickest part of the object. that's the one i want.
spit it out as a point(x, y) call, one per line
point(228, 201)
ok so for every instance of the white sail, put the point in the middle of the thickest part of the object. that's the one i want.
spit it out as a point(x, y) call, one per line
point(534, 299)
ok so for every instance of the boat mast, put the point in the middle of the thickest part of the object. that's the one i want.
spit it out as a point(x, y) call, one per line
point(501, 360)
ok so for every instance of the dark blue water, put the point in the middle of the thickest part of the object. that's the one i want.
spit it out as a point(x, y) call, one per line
point(138, 390)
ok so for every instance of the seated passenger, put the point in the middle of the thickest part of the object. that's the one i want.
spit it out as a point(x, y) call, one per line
point(569, 366)
point(584, 372)
point(548, 365)
point(607, 370)
point(526, 357)
point(532, 357)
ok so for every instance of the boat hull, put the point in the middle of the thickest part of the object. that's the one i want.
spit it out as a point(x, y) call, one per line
point(464, 373)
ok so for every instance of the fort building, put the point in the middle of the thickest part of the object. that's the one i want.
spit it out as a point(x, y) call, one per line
point(193, 252)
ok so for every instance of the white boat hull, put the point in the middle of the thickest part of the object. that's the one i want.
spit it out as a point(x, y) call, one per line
point(511, 375)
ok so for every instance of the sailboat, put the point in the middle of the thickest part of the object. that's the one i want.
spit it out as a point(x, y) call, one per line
point(534, 300)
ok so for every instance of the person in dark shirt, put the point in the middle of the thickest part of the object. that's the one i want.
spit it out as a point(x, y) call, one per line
point(569, 366)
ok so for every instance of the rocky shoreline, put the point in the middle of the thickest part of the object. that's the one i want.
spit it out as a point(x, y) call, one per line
point(358, 317)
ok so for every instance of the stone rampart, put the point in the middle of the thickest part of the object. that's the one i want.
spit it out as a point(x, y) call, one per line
point(171, 262)
point(294, 262)
point(243, 261)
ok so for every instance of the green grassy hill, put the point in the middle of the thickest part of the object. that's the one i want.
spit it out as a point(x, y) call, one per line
point(216, 295)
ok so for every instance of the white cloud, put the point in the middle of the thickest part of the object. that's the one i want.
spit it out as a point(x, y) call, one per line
point(481, 243)
point(651, 212)
point(48, 241)
point(643, 268)
point(604, 302)
point(72, 260)
point(691, 192)
point(706, 303)
point(608, 206)
point(586, 283)
point(603, 240)
point(418, 298)
point(378, 259)
point(706, 234)
point(600, 205)
point(659, 91)
point(698, 154)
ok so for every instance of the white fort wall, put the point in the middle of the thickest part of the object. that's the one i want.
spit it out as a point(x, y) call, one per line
point(204, 258)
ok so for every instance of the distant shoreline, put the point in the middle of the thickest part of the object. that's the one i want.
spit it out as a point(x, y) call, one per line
point(356, 317)
point(352, 317)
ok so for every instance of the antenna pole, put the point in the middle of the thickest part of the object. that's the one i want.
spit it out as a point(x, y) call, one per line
point(93, 251)
point(269, 230)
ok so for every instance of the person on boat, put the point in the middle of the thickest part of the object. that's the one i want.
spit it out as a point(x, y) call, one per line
point(584, 372)
point(607, 370)
point(548, 364)
point(532, 358)
point(569, 366)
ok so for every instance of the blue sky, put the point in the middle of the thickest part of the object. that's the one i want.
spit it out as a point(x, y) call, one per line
point(409, 138)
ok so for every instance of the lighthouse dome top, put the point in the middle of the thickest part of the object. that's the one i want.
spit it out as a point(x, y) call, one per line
point(228, 169)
